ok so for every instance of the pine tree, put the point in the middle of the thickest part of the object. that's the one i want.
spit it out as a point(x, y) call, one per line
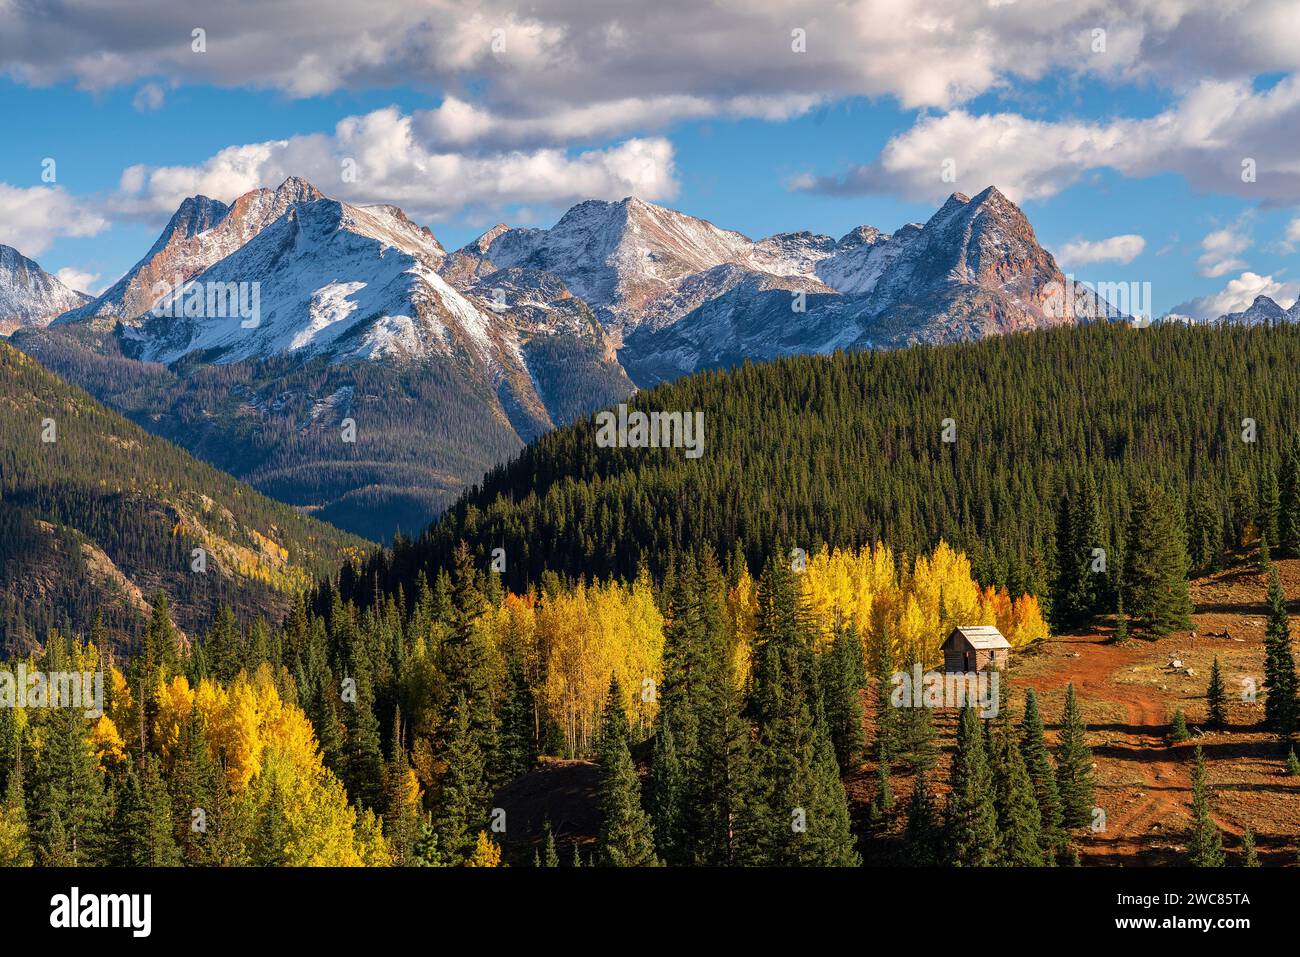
point(1270, 509)
point(1155, 563)
point(884, 801)
point(1121, 621)
point(1280, 707)
point(67, 804)
point(1292, 764)
point(667, 787)
point(1205, 847)
point(550, 856)
point(1216, 698)
point(142, 828)
point(1289, 503)
point(923, 831)
point(1020, 824)
point(1178, 727)
point(1249, 857)
point(1074, 780)
point(363, 757)
point(463, 809)
point(517, 747)
point(971, 820)
point(841, 685)
point(626, 835)
point(1042, 775)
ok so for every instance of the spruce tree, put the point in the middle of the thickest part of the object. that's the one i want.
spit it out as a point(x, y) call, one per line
point(841, 687)
point(1178, 732)
point(1042, 775)
point(550, 856)
point(1020, 824)
point(1289, 504)
point(971, 820)
point(67, 805)
point(1205, 846)
point(1216, 698)
point(1074, 780)
point(517, 747)
point(464, 792)
point(626, 835)
point(1249, 856)
point(1280, 708)
point(921, 839)
point(1155, 563)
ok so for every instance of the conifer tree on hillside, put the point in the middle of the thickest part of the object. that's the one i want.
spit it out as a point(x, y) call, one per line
point(626, 835)
point(1042, 775)
point(1249, 856)
point(1074, 780)
point(971, 821)
point(1289, 502)
point(550, 855)
point(464, 792)
point(363, 758)
point(1280, 706)
point(841, 686)
point(921, 839)
point(1216, 698)
point(142, 828)
point(517, 745)
point(67, 806)
point(1270, 506)
point(1155, 563)
point(1020, 825)
point(1205, 846)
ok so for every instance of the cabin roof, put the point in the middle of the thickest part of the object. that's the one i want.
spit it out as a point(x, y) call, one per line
point(980, 637)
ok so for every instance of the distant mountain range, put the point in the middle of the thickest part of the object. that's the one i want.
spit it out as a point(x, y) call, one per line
point(29, 296)
point(253, 333)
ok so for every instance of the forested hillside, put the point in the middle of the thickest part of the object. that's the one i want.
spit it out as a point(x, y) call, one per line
point(96, 514)
point(851, 449)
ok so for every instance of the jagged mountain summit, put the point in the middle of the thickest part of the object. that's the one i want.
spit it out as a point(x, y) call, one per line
point(268, 328)
point(200, 233)
point(681, 294)
point(29, 296)
point(1264, 311)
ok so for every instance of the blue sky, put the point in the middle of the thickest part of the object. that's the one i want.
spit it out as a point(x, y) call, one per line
point(1126, 154)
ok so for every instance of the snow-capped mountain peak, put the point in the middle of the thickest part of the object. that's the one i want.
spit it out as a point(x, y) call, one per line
point(29, 296)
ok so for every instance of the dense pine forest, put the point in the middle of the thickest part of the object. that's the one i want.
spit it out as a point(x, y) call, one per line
point(97, 514)
point(712, 639)
point(851, 449)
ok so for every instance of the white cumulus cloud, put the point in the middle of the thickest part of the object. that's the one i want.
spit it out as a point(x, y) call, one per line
point(1118, 249)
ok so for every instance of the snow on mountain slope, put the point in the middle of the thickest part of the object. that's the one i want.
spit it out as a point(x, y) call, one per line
point(356, 282)
point(974, 269)
point(29, 296)
point(1264, 311)
point(201, 233)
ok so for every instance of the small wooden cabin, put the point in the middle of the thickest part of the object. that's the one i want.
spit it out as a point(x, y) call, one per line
point(975, 648)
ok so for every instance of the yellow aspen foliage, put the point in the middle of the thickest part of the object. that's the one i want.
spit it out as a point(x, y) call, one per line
point(486, 852)
point(917, 607)
point(742, 607)
point(122, 706)
point(107, 744)
point(175, 702)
